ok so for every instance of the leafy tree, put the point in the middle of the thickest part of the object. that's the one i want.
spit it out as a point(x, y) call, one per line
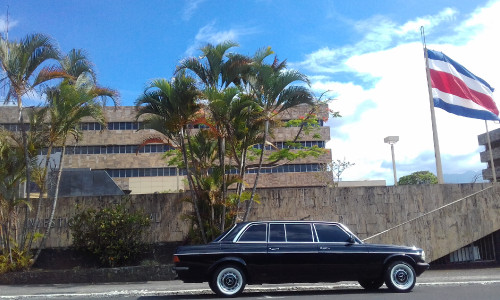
point(12, 174)
point(271, 86)
point(420, 177)
point(339, 166)
point(217, 69)
point(67, 105)
point(238, 97)
point(170, 107)
point(22, 65)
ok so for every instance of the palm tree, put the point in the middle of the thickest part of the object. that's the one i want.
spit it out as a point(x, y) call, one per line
point(67, 105)
point(273, 91)
point(171, 106)
point(77, 70)
point(20, 62)
point(12, 173)
point(218, 69)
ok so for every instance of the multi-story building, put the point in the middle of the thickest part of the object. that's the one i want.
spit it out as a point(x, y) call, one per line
point(495, 151)
point(140, 170)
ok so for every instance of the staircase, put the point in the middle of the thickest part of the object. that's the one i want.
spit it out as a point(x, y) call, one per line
point(449, 227)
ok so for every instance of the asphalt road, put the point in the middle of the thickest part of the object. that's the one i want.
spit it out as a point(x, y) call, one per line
point(476, 284)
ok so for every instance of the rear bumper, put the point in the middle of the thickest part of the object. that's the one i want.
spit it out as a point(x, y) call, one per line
point(421, 267)
point(186, 274)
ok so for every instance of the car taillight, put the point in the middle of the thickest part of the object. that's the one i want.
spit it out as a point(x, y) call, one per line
point(176, 259)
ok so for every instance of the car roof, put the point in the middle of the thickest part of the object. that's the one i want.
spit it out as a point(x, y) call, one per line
point(289, 221)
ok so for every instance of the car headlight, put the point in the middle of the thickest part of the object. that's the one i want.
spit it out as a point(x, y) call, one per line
point(422, 255)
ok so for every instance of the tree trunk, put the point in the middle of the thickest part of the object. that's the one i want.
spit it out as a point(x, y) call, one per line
point(241, 186)
point(261, 159)
point(43, 188)
point(54, 204)
point(222, 155)
point(27, 162)
point(194, 195)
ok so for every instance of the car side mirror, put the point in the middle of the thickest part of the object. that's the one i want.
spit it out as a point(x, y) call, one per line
point(351, 240)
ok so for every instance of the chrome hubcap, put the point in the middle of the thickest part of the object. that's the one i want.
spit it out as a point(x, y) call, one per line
point(229, 281)
point(402, 276)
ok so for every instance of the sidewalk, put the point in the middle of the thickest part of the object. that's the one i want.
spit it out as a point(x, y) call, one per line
point(176, 287)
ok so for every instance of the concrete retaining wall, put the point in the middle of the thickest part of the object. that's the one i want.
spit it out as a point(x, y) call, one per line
point(366, 210)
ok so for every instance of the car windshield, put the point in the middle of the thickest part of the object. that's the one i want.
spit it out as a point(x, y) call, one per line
point(358, 240)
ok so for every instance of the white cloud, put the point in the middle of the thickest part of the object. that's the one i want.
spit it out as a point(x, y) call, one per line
point(190, 8)
point(209, 34)
point(3, 23)
point(380, 33)
point(393, 99)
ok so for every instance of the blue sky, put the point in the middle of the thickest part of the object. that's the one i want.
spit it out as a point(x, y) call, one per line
point(368, 53)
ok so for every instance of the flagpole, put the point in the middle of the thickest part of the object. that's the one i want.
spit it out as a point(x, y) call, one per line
point(437, 152)
point(492, 164)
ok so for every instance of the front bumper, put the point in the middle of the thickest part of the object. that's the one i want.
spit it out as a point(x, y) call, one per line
point(421, 267)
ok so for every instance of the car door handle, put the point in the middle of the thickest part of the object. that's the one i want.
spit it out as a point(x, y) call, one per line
point(324, 248)
point(274, 248)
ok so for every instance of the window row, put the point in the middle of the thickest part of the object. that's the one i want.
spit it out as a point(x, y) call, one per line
point(13, 127)
point(145, 172)
point(116, 149)
point(111, 126)
point(294, 233)
point(289, 168)
point(153, 148)
point(169, 171)
point(296, 145)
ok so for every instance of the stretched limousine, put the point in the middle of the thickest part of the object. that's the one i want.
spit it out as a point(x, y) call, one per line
point(296, 251)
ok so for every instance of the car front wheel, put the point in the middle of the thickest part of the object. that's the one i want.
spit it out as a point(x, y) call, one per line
point(371, 284)
point(400, 277)
point(228, 281)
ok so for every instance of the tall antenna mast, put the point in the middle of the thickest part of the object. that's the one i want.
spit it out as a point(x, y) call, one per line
point(7, 25)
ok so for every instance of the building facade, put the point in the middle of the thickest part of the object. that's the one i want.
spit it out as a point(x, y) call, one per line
point(495, 151)
point(141, 170)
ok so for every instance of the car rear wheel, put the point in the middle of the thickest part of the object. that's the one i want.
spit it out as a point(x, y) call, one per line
point(228, 281)
point(400, 277)
point(371, 284)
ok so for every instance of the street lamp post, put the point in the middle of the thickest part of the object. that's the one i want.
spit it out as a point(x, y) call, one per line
point(393, 140)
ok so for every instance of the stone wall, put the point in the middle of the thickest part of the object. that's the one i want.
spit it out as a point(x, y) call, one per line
point(367, 211)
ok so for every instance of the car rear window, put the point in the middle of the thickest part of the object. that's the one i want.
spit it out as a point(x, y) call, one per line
point(298, 233)
point(254, 233)
point(331, 233)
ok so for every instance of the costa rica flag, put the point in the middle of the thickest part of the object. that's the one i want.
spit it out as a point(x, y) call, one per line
point(458, 91)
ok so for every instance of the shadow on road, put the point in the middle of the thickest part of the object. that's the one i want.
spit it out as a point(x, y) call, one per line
point(254, 295)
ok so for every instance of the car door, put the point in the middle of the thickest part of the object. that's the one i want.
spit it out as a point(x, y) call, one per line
point(341, 258)
point(292, 253)
point(251, 247)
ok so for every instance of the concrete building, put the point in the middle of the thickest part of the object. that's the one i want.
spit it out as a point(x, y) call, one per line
point(485, 155)
point(115, 150)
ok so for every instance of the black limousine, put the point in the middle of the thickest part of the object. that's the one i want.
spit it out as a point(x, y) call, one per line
point(296, 251)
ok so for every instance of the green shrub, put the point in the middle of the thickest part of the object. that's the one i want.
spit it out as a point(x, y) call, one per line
point(22, 259)
point(112, 235)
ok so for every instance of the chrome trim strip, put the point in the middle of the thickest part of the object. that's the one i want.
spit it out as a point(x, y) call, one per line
point(214, 253)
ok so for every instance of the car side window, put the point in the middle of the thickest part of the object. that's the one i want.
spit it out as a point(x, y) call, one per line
point(277, 233)
point(299, 233)
point(331, 233)
point(254, 233)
